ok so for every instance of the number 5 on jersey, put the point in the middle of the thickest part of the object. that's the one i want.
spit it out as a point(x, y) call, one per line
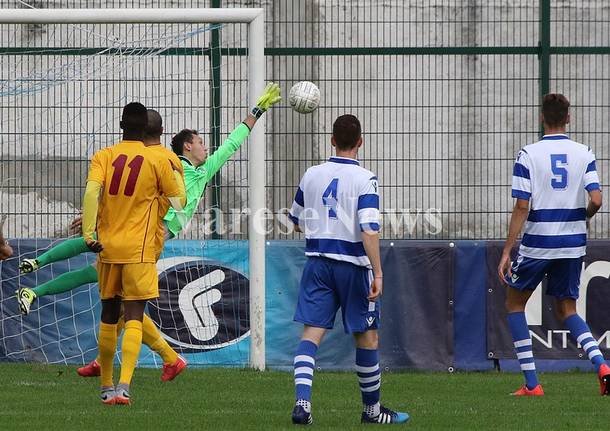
point(558, 163)
point(329, 198)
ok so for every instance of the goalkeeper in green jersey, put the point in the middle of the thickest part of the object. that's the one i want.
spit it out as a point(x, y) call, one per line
point(198, 170)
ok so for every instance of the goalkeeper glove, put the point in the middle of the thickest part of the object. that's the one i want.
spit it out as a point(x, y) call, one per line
point(270, 97)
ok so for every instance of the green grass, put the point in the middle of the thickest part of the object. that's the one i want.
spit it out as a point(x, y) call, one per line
point(39, 397)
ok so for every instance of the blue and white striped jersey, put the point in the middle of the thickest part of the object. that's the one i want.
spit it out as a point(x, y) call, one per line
point(334, 203)
point(555, 174)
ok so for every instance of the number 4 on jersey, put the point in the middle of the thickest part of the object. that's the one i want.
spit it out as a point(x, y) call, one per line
point(329, 198)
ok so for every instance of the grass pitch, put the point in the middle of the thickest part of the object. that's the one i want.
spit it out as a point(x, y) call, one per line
point(54, 398)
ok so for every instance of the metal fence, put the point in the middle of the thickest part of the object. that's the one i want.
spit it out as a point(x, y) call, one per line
point(447, 92)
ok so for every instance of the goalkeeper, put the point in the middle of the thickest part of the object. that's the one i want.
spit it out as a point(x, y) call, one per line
point(198, 170)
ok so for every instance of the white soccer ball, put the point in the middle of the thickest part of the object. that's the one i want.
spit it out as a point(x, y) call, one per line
point(304, 97)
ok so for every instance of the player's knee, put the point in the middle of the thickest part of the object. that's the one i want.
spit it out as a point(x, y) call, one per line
point(134, 310)
point(564, 309)
point(513, 306)
point(368, 340)
point(516, 300)
point(110, 317)
point(562, 313)
point(111, 311)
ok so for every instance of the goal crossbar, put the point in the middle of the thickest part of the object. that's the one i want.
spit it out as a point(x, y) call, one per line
point(256, 82)
point(127, 16)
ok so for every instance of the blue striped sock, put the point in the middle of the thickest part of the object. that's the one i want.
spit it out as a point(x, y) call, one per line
point(582, 334)
point(304, 363)
point(523, 346)
point(369, 378)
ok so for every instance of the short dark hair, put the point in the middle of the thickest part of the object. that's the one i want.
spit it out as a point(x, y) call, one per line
point(134, 118)
point(347, 132)
point(154, 124)
point(185, 135)
point(555, 109)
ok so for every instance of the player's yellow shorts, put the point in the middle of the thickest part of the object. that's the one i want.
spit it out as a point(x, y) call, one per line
point(130, 281)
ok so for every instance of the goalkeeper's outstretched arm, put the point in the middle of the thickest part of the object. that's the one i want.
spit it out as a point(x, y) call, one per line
point(270, 97)
point(197, 179)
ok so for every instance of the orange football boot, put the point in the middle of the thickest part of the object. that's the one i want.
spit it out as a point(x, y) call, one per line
point(170, 371)
point(92, 369)
point(524, 391)
point(604, 379)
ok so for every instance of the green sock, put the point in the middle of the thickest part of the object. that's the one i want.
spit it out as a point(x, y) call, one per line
point(67, 281)
point(64, 250)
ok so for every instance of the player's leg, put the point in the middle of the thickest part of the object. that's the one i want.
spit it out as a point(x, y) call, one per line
point(316, 308)
point(173, 364)
point(526, 275)
point(110, 288)
point(92, 369)
point(140, 283)
point(107, 340)
point(130, 347)
point(63, 283)
point(369, 379)
point(564, 283)
point(64, 250)
point(361, 318)
point(304, 365)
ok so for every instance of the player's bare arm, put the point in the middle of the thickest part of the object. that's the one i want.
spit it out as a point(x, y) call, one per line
point(517, 220)
point(6, 250)
point(595, 202)
point(370, 240)
point(76, 225)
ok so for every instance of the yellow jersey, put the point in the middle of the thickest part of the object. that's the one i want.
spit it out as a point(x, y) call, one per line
point(135, 182)
point(164, 204)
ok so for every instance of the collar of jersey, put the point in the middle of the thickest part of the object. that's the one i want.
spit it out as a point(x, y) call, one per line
point(344, 160)
point(130, 141)
point(554, 137)
point(184, 159)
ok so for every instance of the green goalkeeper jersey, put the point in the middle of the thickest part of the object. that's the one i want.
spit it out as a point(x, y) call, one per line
point(196, 178)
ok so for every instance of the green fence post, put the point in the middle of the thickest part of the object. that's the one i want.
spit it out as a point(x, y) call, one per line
point(215, 113)
point(544, 55)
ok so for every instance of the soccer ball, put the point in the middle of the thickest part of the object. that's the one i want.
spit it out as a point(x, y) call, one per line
point(304, 97)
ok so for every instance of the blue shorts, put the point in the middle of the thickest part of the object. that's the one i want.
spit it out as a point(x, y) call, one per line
point(328, 285)
point(563, 275)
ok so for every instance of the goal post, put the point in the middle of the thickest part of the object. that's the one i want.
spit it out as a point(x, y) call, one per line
point(256, 81)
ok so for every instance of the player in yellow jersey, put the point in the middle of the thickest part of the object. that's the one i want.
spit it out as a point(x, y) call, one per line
point(154, 130)
point(127, 186)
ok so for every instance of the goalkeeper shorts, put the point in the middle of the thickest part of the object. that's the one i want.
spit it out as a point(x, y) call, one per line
point(130, 281)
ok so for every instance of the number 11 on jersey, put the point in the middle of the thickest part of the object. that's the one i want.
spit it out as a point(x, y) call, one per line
point(134, 170)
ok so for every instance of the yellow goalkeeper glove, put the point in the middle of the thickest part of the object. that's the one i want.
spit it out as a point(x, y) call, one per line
point(270, 97)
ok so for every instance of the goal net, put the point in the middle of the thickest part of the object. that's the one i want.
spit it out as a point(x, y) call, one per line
point(62, 88)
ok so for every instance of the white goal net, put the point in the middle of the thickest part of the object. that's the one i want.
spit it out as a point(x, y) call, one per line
point(62, 88)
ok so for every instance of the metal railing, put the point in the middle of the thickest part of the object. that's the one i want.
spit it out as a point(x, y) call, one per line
point(447, 92)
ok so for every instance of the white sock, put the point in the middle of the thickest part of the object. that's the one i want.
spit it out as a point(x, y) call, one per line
point(373, 410)
point(305, 404)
